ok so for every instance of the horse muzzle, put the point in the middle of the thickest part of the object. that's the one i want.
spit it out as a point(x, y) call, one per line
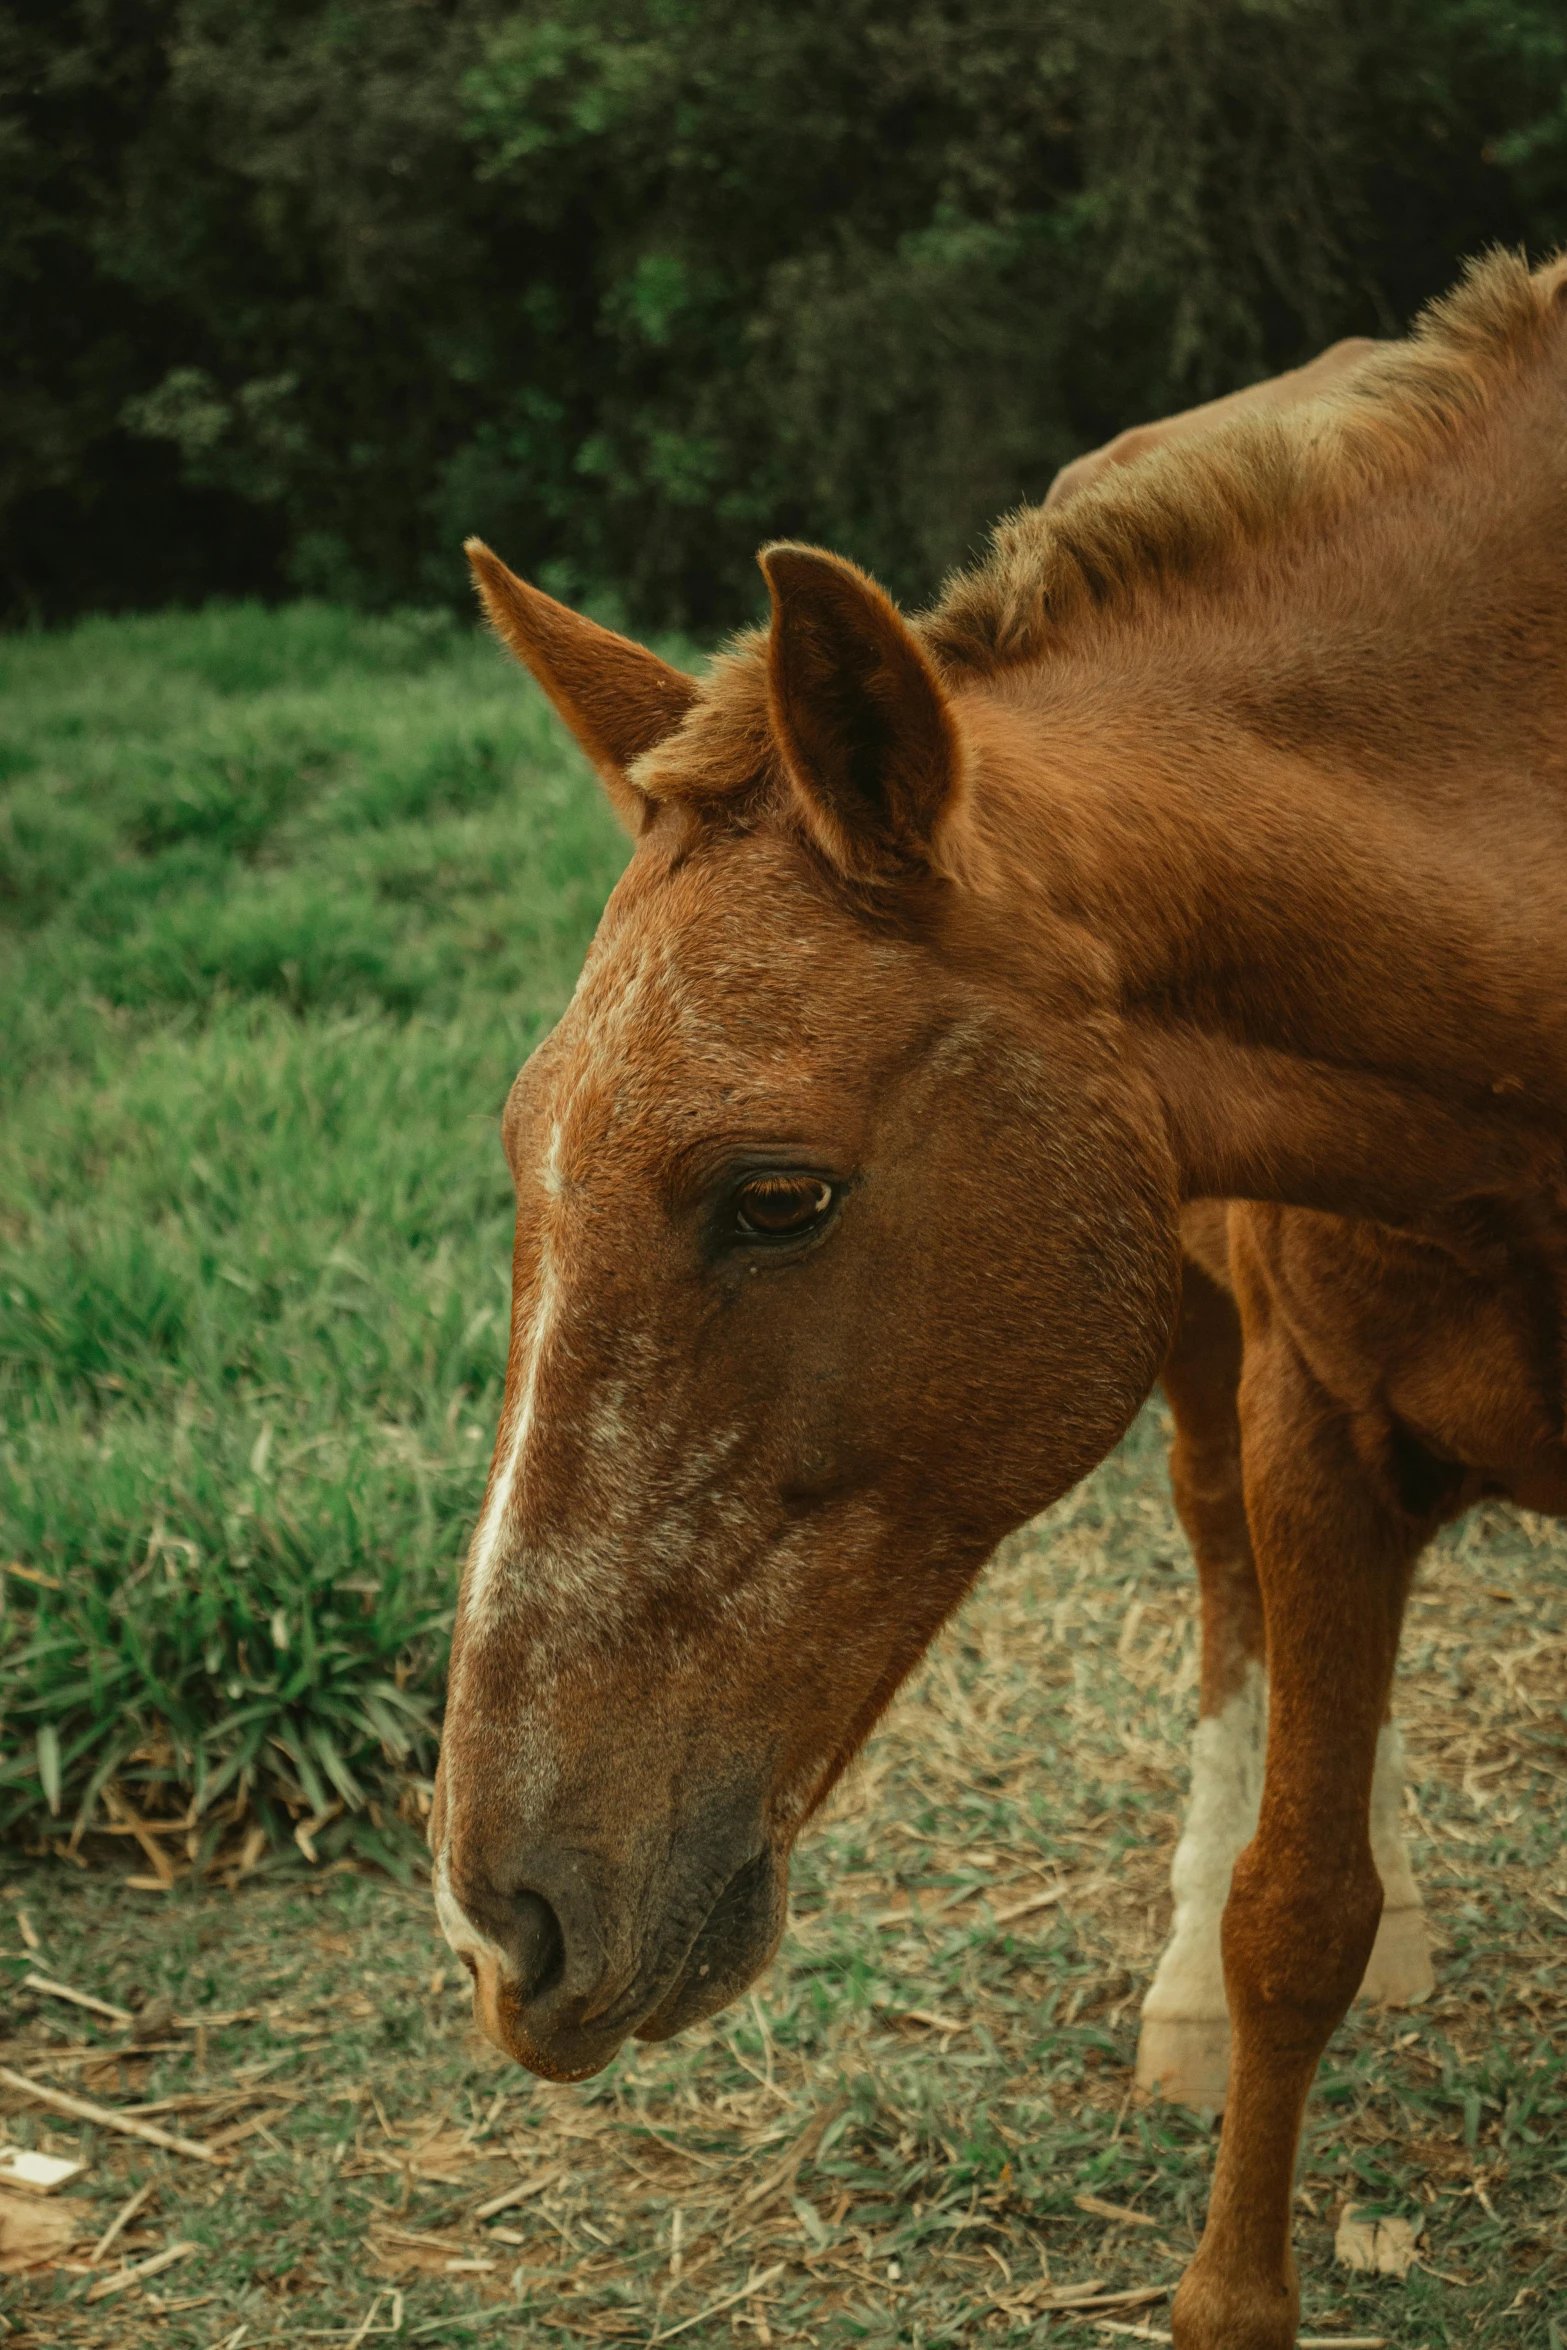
point(568, 1964)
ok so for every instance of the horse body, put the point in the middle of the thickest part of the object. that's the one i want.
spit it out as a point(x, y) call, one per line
point(1207, 844)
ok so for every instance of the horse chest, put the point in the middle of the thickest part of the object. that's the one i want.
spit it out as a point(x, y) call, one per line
point(1466, 1360)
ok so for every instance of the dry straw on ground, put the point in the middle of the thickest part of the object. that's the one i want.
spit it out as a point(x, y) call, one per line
point(920, 2129)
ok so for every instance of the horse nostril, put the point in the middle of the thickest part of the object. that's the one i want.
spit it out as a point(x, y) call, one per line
point(534, 1940)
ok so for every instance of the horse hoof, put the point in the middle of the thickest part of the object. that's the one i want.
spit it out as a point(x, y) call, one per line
point(1216, 2312)
point(1187, 2061)
point(1399, 1972)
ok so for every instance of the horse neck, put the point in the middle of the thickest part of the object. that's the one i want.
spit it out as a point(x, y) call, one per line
point(1339, 945)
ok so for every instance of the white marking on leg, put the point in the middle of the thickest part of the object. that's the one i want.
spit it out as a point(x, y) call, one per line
point(1399, 1890)
point(1228, 1754)
point(1399, 1970)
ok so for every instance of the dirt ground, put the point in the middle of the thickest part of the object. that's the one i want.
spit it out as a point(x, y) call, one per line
point(920, 2130)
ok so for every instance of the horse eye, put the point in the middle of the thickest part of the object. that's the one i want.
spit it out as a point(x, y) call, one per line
point(774, 1207)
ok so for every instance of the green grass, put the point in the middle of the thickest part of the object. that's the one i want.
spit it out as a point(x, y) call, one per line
point(285, 900)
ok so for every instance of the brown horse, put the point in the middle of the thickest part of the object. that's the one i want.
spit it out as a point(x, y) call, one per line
point(1208, 843)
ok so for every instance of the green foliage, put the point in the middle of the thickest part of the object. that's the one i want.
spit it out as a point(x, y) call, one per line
point(284, 900)
point(296, 294)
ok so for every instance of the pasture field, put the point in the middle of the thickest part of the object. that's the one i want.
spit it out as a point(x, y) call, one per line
point(283, 900)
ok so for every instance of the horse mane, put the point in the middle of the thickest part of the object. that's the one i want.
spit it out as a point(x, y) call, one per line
point(1185, 511)
point(1182, 516)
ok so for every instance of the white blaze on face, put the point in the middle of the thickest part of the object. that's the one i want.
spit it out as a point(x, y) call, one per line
point(461, 1933)
point(610, 989)
point(489, 1539)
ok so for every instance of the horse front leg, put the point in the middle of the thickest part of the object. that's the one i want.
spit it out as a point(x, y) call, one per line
point(1334, 1552)
point(1183, 2051)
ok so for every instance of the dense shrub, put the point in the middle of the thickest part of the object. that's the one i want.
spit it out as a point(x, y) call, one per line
point(294, 294)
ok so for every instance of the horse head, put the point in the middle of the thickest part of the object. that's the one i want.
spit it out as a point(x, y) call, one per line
point(846, 1241)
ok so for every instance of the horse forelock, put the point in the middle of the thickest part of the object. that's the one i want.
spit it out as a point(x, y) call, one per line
point(723, 749)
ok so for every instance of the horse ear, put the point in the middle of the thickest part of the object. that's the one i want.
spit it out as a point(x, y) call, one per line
point(860, 716)
point(617, 698)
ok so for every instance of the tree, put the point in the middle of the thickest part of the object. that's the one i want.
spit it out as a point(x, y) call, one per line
point(293, 296)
